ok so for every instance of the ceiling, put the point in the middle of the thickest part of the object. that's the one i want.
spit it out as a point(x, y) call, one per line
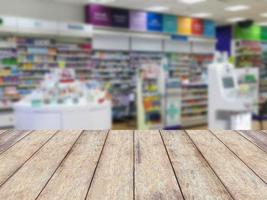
point(215, 7)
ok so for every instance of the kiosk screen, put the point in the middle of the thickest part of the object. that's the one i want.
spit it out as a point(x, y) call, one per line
point(228, 82)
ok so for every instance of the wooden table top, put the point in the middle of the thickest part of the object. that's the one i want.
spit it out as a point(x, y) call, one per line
point(82, 165)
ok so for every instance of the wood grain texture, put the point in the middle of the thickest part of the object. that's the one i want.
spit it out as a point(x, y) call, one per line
point(196, 178)
point(32, 177)
point(2, 131)
point(154, 176)
point(240, 181)
point(10, 137)
point(18, 154)
point(114, 175)
point(72, 179)
point(255, 158)
point(257, 137)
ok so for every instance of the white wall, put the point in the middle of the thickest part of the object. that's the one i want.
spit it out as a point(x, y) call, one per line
point(43, 9)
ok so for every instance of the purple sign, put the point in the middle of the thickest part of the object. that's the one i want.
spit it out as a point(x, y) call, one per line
point(120, 18)
point(99, 15)
point(138, 20)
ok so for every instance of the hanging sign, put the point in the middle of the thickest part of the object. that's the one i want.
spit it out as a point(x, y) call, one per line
point(264, 33)
point(209, 28)
point(119, 18)
point(170, 24)
point(184, 25)
point(138, 20)
point(197, 27)
point(99, 15)
point(154, 22)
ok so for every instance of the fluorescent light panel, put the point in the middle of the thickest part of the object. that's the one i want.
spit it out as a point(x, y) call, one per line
point(264, 14)
point(237, 8)
point(201, 15)
point(158, 8)
point(191, 1)
point(236, 19)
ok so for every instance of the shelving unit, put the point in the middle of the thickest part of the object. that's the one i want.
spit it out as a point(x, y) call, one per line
point(113, 69)
point(191, 69)
point(9, 80)
point(35, 58)
point(263, 72)
point(248, 53)
point(179, 65)
point(253, 54)
point(75, 56)
point(194, 104)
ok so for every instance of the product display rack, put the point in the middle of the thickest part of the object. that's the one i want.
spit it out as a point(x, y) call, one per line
point(253, 54)
point(248, 53)
point(263, 72)
point(179, 65)
point(112, 68)
point(140, 60)
point(191, 69)
point(75, 56)
point(25, 60)
point(149, 90)
point(194, 104)
point(9, 79)
point(35, 58)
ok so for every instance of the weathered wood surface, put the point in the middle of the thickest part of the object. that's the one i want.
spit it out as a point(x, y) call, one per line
point(259, 138)
point(133, 165)
point(195, 176)
point(241, 181)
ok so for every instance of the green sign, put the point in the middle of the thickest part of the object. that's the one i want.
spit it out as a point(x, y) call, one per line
point(264, 33)
point(170, 24)
point(248, 33)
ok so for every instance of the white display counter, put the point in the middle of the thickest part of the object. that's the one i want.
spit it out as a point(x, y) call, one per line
point(63, 117)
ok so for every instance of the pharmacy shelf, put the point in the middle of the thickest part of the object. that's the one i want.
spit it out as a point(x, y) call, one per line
point(112, 68)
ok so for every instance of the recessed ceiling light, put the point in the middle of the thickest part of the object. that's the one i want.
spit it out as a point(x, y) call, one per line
point(158, 8)
point(264, 14)
point(237, 8)
point(191, 1)
point(202, 15)
point(236, 19)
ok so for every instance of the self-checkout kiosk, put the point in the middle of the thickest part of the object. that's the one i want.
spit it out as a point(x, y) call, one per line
point(228, 108)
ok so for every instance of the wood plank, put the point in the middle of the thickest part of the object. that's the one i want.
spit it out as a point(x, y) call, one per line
point(2, 131)
point(257, 137)
point(255, 158)
point(73, 177)
point(10, 137)
point(196, 178)
point(114, 175)
point(32, 177)
point(154, 176)
point(12, 159)
point(240, 181)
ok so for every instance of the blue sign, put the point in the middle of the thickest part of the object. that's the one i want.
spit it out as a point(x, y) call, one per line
point(179, 38)
point(154, 22)
point(209, 28)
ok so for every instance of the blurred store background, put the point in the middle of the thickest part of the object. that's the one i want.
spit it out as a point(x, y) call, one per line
point(121, 64)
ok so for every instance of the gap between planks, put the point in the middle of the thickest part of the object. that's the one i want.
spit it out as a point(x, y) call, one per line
point(240, 181)
point(239, 146)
